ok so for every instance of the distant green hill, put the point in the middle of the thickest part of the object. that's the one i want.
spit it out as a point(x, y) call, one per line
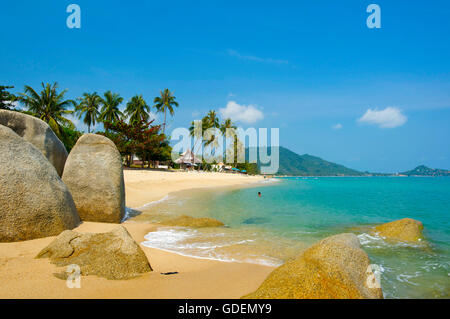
point(306, 165)
point(422, 170)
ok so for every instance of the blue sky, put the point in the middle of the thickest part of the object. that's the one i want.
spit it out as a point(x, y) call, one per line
point(311, 68)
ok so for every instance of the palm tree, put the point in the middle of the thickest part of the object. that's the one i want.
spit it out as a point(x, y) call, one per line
point(110, 107)
point(165, 103)
point(212, 119)
point(227, 126)
point(88, 107)
point(137, 109)
point(48, 105)
point(228, 129)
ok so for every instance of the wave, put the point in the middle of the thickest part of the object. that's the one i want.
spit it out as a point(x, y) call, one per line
point(190, 243)
point(153, 203)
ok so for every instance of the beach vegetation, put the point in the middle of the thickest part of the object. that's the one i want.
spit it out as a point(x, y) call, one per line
point(165, 103)
point(6, 98)
point(49, 105)
point(110, 111)
point(137, 109)
point(88, 109)
point(140, 138)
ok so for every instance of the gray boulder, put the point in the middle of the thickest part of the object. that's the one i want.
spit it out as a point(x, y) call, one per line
point(34, 202)
point(94, 176)
point(38, 133)
point(112, 255)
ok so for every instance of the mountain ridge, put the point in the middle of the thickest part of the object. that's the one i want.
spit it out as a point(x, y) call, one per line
point(293, 164)
point(423, 170)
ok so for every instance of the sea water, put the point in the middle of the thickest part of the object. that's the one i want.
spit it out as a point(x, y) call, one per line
point(294, 213)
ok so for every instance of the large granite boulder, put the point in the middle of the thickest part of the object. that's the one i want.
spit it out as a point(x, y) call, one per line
point(94, 176)
point(335, 267)
point(406, 229)
point(34, 202)
point(38, 133)
point(112, 255)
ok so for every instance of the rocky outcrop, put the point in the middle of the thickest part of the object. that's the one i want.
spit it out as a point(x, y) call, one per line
point(112, 255)
point(188, 221)
point(34, 202)
point(39, 134)
point(405, 229)
point(335, 267)
point(94, 176)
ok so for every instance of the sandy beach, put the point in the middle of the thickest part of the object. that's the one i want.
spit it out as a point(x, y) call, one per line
point(23, 276)
point(144, 186)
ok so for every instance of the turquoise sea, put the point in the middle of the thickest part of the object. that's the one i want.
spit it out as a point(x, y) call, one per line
point(295, 212)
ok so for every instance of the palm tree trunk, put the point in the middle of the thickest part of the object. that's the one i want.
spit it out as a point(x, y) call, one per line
point(164, 125)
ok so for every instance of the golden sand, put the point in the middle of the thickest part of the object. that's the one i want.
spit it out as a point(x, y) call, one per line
point(23, 276)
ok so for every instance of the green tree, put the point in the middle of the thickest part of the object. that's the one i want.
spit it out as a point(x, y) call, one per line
point(165, 102)
point(49, 105)
point(88, 109)
point(6, 98)
point(110, 107)
point(137, 109)
point(228, 129)
point(140, 138)
point(211, 120)
point(70, 137)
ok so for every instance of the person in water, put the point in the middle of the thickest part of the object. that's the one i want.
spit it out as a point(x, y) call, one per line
point(259, 194)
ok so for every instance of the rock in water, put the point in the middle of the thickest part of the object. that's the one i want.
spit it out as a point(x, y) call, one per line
point(113, 255)
point(94, 176)
point(188, 221)
point(335, 267)
point(39, 134)
point(34, 202)
point(405, 229)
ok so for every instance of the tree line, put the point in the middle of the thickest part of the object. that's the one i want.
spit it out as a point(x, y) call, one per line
point(132, 130)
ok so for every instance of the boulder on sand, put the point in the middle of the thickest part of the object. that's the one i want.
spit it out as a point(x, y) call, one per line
point(94, 176)
point(38, 133)
point(335, 267)
point(405, 229)
point(112, 255)
point(34, 202)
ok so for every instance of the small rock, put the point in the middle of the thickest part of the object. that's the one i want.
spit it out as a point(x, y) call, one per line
point(405, 229)
point(188, 221)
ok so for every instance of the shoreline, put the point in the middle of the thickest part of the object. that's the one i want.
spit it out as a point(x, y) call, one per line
point(23, 276)
point(143, 187)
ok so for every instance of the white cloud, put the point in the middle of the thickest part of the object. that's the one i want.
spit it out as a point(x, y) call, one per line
point(236, 54)
point(242, 113)
point(337, 126)
point(390, 117)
